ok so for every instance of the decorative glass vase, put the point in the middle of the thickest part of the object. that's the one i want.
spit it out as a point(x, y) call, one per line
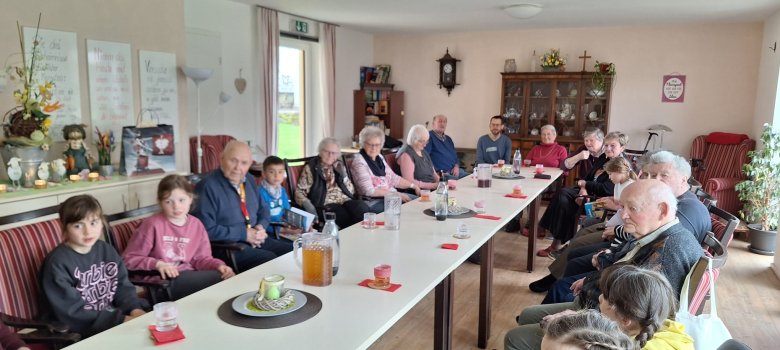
point(30, 158)
point(510, 66)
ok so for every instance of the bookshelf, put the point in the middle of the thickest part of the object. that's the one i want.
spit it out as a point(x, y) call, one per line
point(379, 104)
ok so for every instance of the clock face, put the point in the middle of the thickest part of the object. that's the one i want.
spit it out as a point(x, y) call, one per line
point(448, 68)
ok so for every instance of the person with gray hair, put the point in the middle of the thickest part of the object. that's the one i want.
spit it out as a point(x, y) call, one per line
point(548, 152)
point(324, 186)
point(414, 163)
point(441, 148)
point(373, 177)
point(588, 154)
point(495, 145)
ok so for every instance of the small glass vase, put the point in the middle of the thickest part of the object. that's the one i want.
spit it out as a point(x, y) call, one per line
point(106, 170)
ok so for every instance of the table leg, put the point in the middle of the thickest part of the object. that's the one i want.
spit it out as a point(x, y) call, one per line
point(533, 218)
point(485, 293)
point(442, 314)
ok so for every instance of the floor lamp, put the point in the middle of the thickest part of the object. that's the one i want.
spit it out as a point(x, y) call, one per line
point(198, 75)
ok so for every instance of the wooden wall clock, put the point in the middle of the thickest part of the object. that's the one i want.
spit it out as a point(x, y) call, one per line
point(447, 72)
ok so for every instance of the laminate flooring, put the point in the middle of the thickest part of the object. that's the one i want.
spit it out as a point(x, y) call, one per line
point(748, 294)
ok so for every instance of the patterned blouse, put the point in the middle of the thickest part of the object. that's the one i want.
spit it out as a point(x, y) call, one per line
point(366, 182)
point(333, 195)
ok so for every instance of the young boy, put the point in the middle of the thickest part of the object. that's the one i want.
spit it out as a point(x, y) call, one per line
point(272, 192)
point(84, 281)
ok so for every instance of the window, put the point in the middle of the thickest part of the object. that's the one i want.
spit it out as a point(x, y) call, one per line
point(290, 140)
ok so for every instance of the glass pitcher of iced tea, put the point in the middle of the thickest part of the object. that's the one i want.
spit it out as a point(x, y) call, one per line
point(317, 251)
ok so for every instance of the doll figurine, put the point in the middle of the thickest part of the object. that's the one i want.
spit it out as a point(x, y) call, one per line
point(76, 156)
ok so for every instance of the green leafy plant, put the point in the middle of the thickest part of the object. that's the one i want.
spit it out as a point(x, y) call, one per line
point(761, 192)
point(599, 79)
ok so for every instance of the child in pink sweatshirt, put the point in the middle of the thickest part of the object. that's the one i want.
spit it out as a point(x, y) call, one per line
point(175, 243)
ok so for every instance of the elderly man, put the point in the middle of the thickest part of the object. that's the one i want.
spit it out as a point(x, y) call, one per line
point(441, 148)
point(495, 145)
point(659, 242)
point(672, 170)
point(231, 209)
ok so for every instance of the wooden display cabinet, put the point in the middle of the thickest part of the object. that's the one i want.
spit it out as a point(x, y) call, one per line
point(383, 102)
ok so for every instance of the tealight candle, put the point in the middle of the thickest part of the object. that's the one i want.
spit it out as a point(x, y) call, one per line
point(93, 176)
point(40, 184)
point(74, 178)
point(517, 190)
point(3, 188)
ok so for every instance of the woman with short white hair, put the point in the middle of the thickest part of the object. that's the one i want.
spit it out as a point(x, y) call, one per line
point(373, 177)
point(548, 152)
point(414, 162)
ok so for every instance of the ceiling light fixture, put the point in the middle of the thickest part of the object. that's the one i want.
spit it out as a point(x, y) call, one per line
point(523, 11)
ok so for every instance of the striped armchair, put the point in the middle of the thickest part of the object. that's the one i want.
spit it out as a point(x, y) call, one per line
point(717, 164)
point(213, 145)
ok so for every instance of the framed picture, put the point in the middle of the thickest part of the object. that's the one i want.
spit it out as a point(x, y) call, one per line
point(382, 108)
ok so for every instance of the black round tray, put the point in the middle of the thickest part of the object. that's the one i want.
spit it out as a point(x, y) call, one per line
point(227, 314)
point(465, 215)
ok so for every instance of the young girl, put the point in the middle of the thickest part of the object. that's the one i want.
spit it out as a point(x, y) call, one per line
point(620, 173)
point(175, 243)
point(84, 281)
point(587, 329)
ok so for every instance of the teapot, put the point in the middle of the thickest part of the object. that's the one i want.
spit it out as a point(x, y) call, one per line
point(317, 250)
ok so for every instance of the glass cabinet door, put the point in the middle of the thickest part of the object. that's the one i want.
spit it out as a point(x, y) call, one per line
point(594, 108)
point(566, 107)
point(538, 106)
point(513, 106)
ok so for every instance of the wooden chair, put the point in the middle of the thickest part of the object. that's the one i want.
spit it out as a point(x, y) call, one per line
point(699, 288)
point(294, 168)
point(723, 225)
point(22, 251)
point(121, 227)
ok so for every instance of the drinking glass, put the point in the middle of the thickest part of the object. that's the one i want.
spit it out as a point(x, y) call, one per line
point(539, 168)
point(425, 195)
point(165, 316)
point(527, 162)
point(382, 275)
point(369, 221)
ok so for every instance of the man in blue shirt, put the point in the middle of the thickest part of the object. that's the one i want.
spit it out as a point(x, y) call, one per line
point(495, 145)
point(442, 150)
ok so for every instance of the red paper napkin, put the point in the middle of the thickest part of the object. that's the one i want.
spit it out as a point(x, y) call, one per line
point(165, 337)
point(512, 195)
point(380, 223)
point(452, 246)
point(489, 217)
point(393, 287)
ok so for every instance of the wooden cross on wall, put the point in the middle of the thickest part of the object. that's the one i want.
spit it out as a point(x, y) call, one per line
point(584, 58)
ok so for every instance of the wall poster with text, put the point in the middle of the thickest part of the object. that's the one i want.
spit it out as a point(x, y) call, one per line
point(109, 67)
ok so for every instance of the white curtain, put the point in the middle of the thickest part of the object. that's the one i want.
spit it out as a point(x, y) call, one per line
point(328, 76)
point(268, 33)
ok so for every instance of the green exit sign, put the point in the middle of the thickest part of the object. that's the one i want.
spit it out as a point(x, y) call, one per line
point(301, 27)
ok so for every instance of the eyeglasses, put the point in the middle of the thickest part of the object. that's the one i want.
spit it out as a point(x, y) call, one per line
point(330, 153)
point(372, 145)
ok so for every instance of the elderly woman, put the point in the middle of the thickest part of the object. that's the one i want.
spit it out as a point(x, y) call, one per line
point(549, 152)
point(373, 177)
point(415, 163)
point(324, 186)
point(560, 216)
point(588, 154)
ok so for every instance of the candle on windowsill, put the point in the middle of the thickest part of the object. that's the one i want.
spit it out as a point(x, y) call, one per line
point(3, 188)
point(93, 176)
point(40, 184)
point(74, 178)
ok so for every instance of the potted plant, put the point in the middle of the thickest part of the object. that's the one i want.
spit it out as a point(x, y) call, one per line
point(761, 193)
point(553, 61)
point(599, 79)
point(105, 145)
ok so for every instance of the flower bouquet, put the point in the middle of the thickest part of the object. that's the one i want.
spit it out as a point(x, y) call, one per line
point(105, 145)
point(553, 61)
point(28, 123)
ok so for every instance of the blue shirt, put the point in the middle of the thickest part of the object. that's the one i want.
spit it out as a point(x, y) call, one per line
point(489, 151)
point(276, 206)
point(442, 153)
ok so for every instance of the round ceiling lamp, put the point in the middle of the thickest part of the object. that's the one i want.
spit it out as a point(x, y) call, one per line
point(523, 11)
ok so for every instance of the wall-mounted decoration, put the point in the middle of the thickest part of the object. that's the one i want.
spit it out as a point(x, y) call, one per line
point(57, 60)
point(110, 85)
point(159, 90)
point(240, 82)
point(447, 72)
point(673, 88)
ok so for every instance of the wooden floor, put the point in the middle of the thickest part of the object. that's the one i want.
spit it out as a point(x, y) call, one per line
point(748, 300)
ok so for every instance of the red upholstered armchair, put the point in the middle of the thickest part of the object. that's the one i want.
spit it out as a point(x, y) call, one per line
point(717, 161)
point(213, 145)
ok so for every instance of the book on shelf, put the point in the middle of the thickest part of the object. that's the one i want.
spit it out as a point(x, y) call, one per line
point(380, 74)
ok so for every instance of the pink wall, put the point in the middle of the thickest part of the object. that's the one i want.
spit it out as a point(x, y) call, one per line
point(720, 61)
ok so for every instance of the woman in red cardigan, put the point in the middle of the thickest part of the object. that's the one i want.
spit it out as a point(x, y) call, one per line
point(549, 153)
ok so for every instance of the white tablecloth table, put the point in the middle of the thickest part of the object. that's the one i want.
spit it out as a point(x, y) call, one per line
point(353, 317)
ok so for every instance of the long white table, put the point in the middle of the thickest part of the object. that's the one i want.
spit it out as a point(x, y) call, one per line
point(353, 317)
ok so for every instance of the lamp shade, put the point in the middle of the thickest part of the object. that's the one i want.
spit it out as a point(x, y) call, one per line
point(197, 74)
point(523, 11)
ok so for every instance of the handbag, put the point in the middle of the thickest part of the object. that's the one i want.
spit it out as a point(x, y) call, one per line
point(707, 331)
point(147, 148)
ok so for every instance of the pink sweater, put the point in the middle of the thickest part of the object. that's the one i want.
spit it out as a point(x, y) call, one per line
point(551, 155)
point(366, 182)
point(159, 239)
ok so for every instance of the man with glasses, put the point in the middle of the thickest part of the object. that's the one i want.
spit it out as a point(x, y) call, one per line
point(441, 148)
point(495, 145)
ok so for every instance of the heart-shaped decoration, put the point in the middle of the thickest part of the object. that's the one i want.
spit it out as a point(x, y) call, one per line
point(240, 83)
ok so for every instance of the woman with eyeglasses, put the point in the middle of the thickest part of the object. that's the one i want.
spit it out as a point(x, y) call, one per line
point(560, 216)
point(414, 162)
point(324, 186)
point(373, 177)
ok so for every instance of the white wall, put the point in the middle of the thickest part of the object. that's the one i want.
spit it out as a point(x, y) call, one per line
point(353, 49)
point(235, 22)
point(720, 61)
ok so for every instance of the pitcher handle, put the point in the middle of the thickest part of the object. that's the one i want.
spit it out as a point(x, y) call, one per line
point(298, 243)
